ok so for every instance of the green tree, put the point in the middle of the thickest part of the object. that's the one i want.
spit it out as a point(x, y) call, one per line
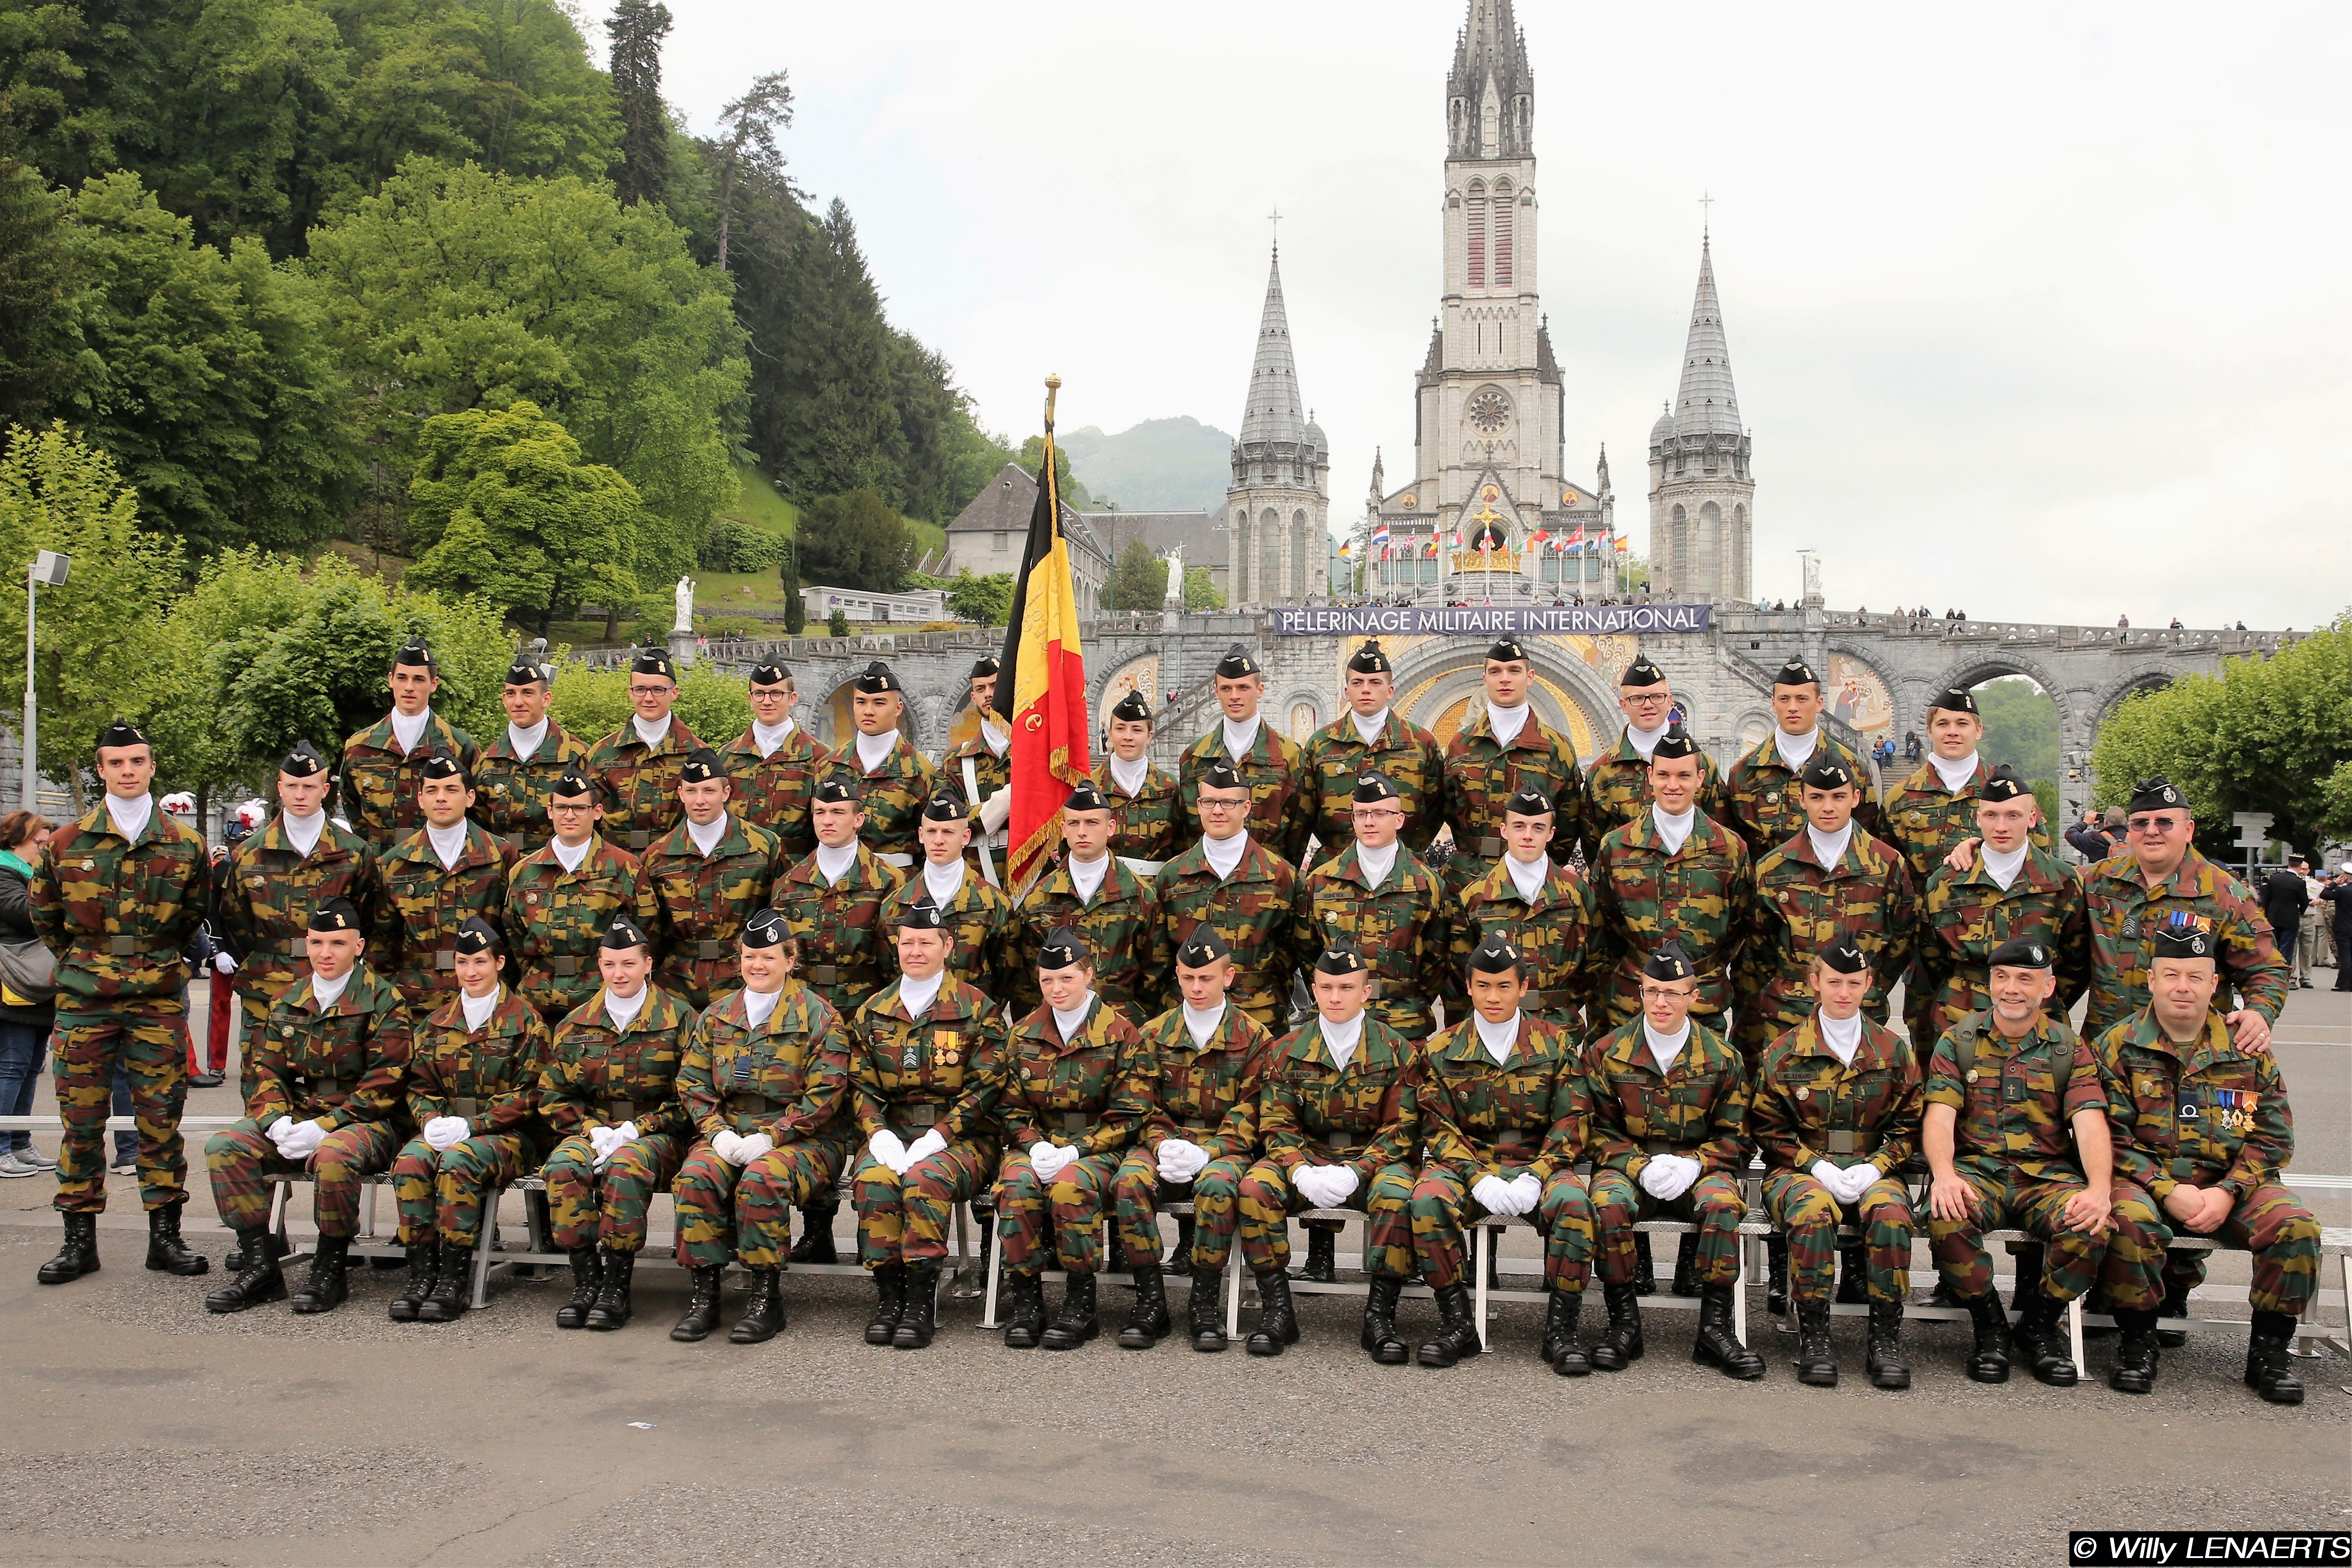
point(1201, 591)
point(635, 30)
point(37, 341)
point(1139, 580)
point(836, 625)
point(241, 597)
point(856, 542)
point(2020, 726)
point(747, 145)
point(988, 600)
point(795, 606)
point(1072, 493)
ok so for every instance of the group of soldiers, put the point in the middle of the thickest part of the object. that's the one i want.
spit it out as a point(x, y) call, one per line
point(734, 973)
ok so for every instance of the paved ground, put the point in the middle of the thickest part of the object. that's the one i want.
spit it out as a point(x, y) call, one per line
point(140, 1430)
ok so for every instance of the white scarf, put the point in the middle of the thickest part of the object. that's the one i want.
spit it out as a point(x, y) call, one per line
point(1375, 864)
point(479, 1008)
point(1071, 1021)
point(326, 993)
point(759, 1006)
point(623, 1010)
point(2003, 868)
point(834, 861)
point(994, 739)
point(1088, 878)
point(1370, 728)
point(944, 882)
point(1842, 1035)
point(1955, 774)
point(1529, 876)
point(1829, 848)
point(768, 739)
point(525, 743)
point(1665, 1049)
point(1796, 750)
point(1645, 740)
point(448, 843)
point(131, 817)
point(1201, 1023)
point(1129, 777)
point(571, 857)
point(1224, 853)
point(652, 731)
point(1507, 722)
point(1240, 737)
point(409, 728)
point(873, 750)
point(302, 832)
point(1341, 1039)
point(1673, 828)
point(707, 835)
point(1498, 1038)
point(916, 996)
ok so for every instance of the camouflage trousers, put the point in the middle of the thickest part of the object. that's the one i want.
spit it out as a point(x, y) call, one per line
point(903, 1219)
point(1804, 1208)
point(243, 1161)
point(726, 1211)
point(1268, 1200)
point(2281, 1234)
point(150, 1039)
point(1712, 1202)
point(1441, 1208)
point(441, 1191)
point(588, 1207)
point(2128, 1259)
point(1074, 1203)
point(1136, 1193)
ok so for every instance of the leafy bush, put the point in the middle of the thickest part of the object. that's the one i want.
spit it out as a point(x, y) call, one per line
point(733, 546)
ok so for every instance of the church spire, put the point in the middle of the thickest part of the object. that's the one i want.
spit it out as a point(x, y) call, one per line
point(1272, 412)
point(1490, 92)
point(1707, 405)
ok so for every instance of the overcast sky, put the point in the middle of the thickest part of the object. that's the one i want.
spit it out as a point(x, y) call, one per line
point(2037, 312)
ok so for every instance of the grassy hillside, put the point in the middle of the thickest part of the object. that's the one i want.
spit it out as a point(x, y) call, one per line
point(762, 506)
point(1160, 465)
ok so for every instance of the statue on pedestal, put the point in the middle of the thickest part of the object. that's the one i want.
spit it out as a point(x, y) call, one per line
point(684, 594)
point(1176, 577)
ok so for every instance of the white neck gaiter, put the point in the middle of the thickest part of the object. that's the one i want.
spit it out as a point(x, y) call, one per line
point(1829, 848)
point(1341, 1039)
point(2003, 868)
point(1241, 736)
point(994, 739)
point(1376, 864)
point(1129, 777)
point(303, 832)
point(1673, 828)
point(479, 1008)
point(759, 1006)
point(834, 861)
point(652, 731)
point(623, 1010)
point(1072, 1021)
point(448, 843)
point(1796, 750)
point(1201, 1023)
point(571, 857)
point(768, 739)
point(524, 743)
point(916, 996)
point(1370, 728)
point(1665, 1049)
point(325, 992)
point(1529, 876)
point(409, 728)
point(1224, 853)
point(1644, 741)
point(1507, 722)
point(1955, 773)
point(1498, 1038)
point(874, 750)
point(1842, 1035)
point(707, 835)
point(944, 882)
point(1087, 878)
point(131, 817)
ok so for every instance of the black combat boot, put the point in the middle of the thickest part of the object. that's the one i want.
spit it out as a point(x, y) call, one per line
point(701, 1306)
point(1076, 1323)
point(972, 1283)
point(1853, 1275)
point(1717, 1345)
point(77, 1256)
point(233, 1261)
point(1147, 1321)
point(763, 1314)
point(1457, 1328)
point(1620, 1344)
point(587, 1278)
point(2042, 1340)
point(817, 1245)
point(1775, 1274)
point(918, 1318)
point(2176, 1305)
point(2136, 1352)
point(423, 1259)
point(1180, 1255)
point(1884, 1361)
point(1686, 1264)
point(1277, 1320)
point(1025, 1310)
point(1322, 1253)
point(452, 1289)
point(166, 1252)
point(889, 1303)
point(1562, 1347)
point(328, 1283)
point(1989, 1358)
point(1379, 1338)
point(2028, 1288)
point(1206, 1311)
point(1816, 1362)
point(1944, 1295)
point(1645, 1268)
point(612, 1305)
point(2268, 1371)
point(259, 1280)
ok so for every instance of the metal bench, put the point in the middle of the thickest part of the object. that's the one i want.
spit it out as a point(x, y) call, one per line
point(988, 1323)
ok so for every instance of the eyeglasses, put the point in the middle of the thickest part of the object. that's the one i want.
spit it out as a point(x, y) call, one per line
point(1378, 813)
point(1208, 805)
point(1663, 993)
point(2158, 826)
point(636, 690)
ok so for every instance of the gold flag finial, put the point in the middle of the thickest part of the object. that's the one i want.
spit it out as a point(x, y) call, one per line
point(1053, 385)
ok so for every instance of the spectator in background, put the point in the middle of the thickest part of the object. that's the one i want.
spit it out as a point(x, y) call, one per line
point(2311, 945)
point(24, 1024)
point(2338, 896)
point(2284, 900)
point(222, 1013)
point(1912, 749)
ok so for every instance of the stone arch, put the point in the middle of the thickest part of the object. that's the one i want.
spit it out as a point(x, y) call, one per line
point(1568, 694)
point(1140, 673)
point(2147, 677)
point(1284, 715)
point(1977, 667)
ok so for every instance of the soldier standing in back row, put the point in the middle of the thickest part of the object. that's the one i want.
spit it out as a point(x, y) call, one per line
point(1091, 893)
point(982, 930)
point(1617, 787)
point(1501, 749)
point(445, 871)
point(1153, 825)
point(2011, 890)
point(1370, 739)
point(638, 764)
point(380, 769)
point(981, 769)
point(518, 771)
point(1543, 907)
point(773, 767)
point(1250, 895)
point(1271, 769)
point(1760, 799)
point(894, 779)
point(708, 875)
point(562, 896)
point(1375, 897)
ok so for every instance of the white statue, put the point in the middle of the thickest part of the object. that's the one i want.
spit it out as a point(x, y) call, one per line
point(685, 605)
point(1812, 578)
point(1176, 576)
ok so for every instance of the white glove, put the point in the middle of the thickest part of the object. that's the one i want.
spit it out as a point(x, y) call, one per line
point(1858, 1181)
point(1049, 1161)
point(445, 1131)
point(1181, 1159)
point(1497, 1197)
point(923, 1148)
point(628, 1131)
point(1530, 1191)
point(281, 1130)
point(751, 1146)
point(1327, 1186)
point(996, 810)
point(604, 1141)
point(303, 1141)
point(885, 1147)
point(1668, 1177)
point(727, 1145)
point(1830, 1176)
point(224, 965)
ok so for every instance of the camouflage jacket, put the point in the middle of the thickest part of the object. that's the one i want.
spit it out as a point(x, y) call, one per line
point(1761, 803)
point(116, 914)
point(1801, 906)
point(1400, 927)
point(343, 1065)
point(1093, 1094)
point(490, 1076)
point(554, 920)
point(701, 903)
point(1312, 1111)
point(423, 904)
point(1406, 755)
point(1804, 1105)
point(2009, 1109)
point(991, 772)
point(639, 783)
point(1154, 827)
point(979, 919)
point(1481, 776)
point(893, 794)
point(1699, 1109)
point(1617, 791)
point(598, 1075)
point(846, 953)
point(1257, 911)
point(1700, 895)
point(2208, 1114)
point(944, 1069)
point(2123, 917)
point(1531, 1112)
point(1965, 916)
point(510, 794)
point(1121, 926)
point(1558, 936)
point(788, 1079)
point(375, 786)
point(1282, 792)
point(773, 790)
point(1927, 824)
point(267, 897)
point(1208, 1094)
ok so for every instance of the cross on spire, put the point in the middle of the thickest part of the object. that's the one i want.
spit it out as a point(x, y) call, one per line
point(1706, 211)
point(1275, 217)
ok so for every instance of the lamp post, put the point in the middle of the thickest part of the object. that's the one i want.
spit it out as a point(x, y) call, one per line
point(49, 567)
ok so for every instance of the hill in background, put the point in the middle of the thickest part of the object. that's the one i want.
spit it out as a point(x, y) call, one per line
point(1160, 465)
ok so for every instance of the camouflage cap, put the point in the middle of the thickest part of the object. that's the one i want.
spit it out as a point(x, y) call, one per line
point(520, 673)
point(767, 928)
point(334, 914)
point(1237, 663)
point(416, 653)
point(921, 915)
point(443, 764)
point(1826, 773)
point(1641, 673)
point(1203, 948)
point(1676, 743)
point(1669, 962)
point(1506, 650)
point(1953, 699)
point(1494, 955)
point(1062, 949)
point(1796, 672)
point(623, 934)
point(2005, 784)
point(303, 762)
point(2155, 794)
point(838, 789)
point(877, 677)
point(1372, 788)
point(653, 659)
point(1370, 660)
point(943, 807)
point(701, 766)
point(2183, 935)
point(768, 672)
point(571, 783)
point(1340, 960)
point(477, 935)
point(1528, 801)
point(2021, 952)
point(1086, 796)
point(1221, 775)
point(1844, 958)
point(984, 667)
point(121, 733)
point(1133, 708)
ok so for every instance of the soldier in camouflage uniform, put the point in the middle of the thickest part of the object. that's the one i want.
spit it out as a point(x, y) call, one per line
point(1506, 1116)
point(1077, 1088)
point(708, 875)
point(774, 765)
point(1375, 897)
point(610, 1096)
point(379, 774)
point(518, 770)
point(1501, 749)
point(327, 1073)
point(979, 919)
point(1091, 893)
point(1835, 1107)
point(114, 897)
point(1272, 769)
point(766, 1081)
point(988, 757)
point(1340, 1123)
point(1370, 739)
point(2203, 1126)
point(1229, 882)
point(473, 1094)
point(894, 779)
point(562, 897)
point(2012, 889)
point(1760, 802)
point(1201, 1139)
point(1543, 907)
point(1154, 826)
point(445, 871)
point(638, 765)
point(1672, 871)
point(2002, 1090)
point(1669, 1137)
point(926, 1069)
point(1617, 788)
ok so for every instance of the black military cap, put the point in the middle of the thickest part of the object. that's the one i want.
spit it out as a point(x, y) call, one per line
point(1494, 955)
point(571, 783)
point(1370, 660)
point(623, 934)
point(1340, 960)
point(1371, 789)
point(768, 674)
point(2005, 784)
point(701, 766)
point(121, 733)
point(766, 929)
point(442, 765)
point(417, 652)
point(921, 915)
point(1237, 663)
point(1203, 948)
point(2023, 953)
point(943, 808)
point(1506, 650)
point(334, 914)
point(1219, 774)
point(303, 762)
point(1062, 949)
point(1669, 963)
point(1796, 672)
point(983, 667)
point(838, 789)
point(1641, 673)
point(652, 660)
point(1826, 773)
point(1528, 801)
point(2155, 794)
point(477, 935)
point(1133, 708)
point(521, 674)
point(1952, 699)
point(1087, 796)
point(1844, 958)
point(877, 677)
point(1674, 742)
point(2183, 935)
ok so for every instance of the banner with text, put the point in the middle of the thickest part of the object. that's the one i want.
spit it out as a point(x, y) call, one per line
point(1491, 621)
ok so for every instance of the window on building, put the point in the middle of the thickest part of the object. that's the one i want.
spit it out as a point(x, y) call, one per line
point(1503, 200)
point(1000, 542)
point(1475, 216)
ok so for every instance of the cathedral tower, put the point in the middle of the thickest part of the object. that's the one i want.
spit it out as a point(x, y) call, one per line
point(1277, 506)
point(1702, 494)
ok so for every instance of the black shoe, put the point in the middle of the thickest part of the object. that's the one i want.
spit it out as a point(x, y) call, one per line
point(1206, 1311)
point(451, 1297)
point(1717, 1345)
point(1024, 1316)
point(889, 1303)
point(701, 1306)
point(77, 1256)
point(1147, 1321)
point(1277, 1320)
point(763, 1315)
point(1645, 1268)
point(2268, 1371)
point(2136, 1355)
point(1562, 1347)
point(1457, 1328)
point(1816, 1362)
point(1989, 1358)
point(918, 1318)
point(1620, 1345)
point(2028, 1288)
point(328, 1283)
point(1076, 1323)
point(204, 1080)
point(587, 1278)
point(1776, 1278)
point(166, 1252)
point(1884, 1362)
point(1379, 1338)
point(1686, 1264)
point(2176, 1305)
point(1322, 1254)
point(234, 1262)
point(259, 1280)
point(816, 1243)
point(423, 1259)
point(2043, 1342)
point(1943, 1295)
point(1854, 1276)
point(613, 1308)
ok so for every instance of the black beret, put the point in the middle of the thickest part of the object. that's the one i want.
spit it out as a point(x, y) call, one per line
point(1061, 949)
point(1844, 958)
point(652, 660)
point(335, 914)
point(2005, 784)
point(1674, 742)
point(1086, 796)
point(2155, 794)
point(121, 733)
point(2021, 952)
point(1133, 708)
point(1506, 650)
point(623, 934)
point(701, 766)
point(767, 928)
point(1203, 948)
point(1370, 660)
point(943, 808)
point(571, 783)
point(521, 674)
point(303, 762)
point(1641, 673)
point(1340, 960)
point(768, 674)
point(1669, 963)
point(983, 667)
point(1796, 672)
point(1494, 955)
point(442, 765)
point(415, 652)
point(879, 677)
point(921, 915)
point(477, 935)
point(1529, 801)
point(837, 789)
point(1237, 663)
point(1219, 774)
point(1826, 773)
point(1371, 789)
point(2183, 935)
point(1952, 699)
